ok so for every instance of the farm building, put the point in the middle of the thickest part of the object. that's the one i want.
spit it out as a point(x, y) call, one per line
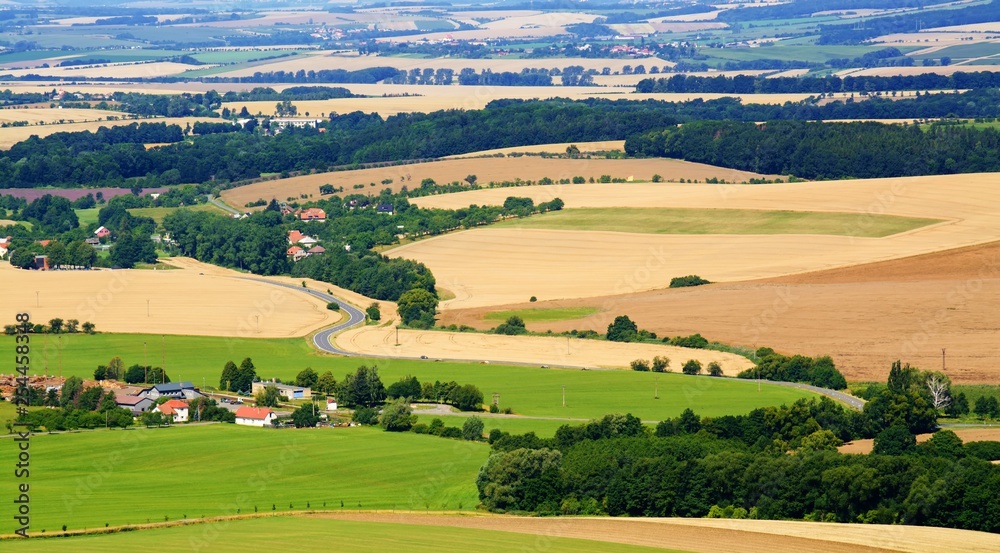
point(102, 232)
point(291, 392)
point(176, 409)
point(179, 390)
point(331, 404)
point(136, 404)
point(255, 416)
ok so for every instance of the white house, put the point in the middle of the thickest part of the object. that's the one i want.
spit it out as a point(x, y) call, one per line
point(331, 404)
point(175, 408)
point(255, 416)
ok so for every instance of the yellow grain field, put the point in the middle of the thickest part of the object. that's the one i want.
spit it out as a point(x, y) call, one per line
point(382, 341)
point(117, 70)
point(44, 116)
point(557, 264)
point(486, 170)
point(12, 135)
point(199, 300)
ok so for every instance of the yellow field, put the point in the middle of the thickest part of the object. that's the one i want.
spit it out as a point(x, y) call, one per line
point(12, 135)
point(381, 341)
point(584, 147)
point(200, 300)
point(137, 70)
point(494, 169)
point(36, 116)
point(704, 535)
point(556, 264)
point(920, 70)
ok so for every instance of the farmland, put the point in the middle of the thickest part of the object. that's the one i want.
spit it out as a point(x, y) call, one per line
point(12, 135)
point(709, 221)
point(329, 465)
point(528, 390)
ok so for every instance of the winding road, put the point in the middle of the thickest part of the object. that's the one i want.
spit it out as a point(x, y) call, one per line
point(324, 342)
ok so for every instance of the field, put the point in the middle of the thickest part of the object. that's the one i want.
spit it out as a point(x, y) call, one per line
point(164, 302)
point(715, 221)
point(115, 70)
point(12, 135)
point(222, 468)
point(317, 532)
point(536, 315)
point(584, 147)
point(562, 264)
point(493, 169)
point(532, 350)
point(528, 390)
point(73, 194)
point(46, 116)
point(966, 434)
point(158, 213)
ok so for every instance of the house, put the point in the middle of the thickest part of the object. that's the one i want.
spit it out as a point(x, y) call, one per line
point(331, 404)
point(385, 209)
point(3, 251)
point(178, 390)
point(307, 242)
point(102, 232)
point(137, 404)
point(291, 392)
point(312, 214)
point(93, 241)
point(294, 236)
point(42, 262)
point(44, 243)
point(176, 409)
point(255, 416)
point(296, 253)
point(316, 250)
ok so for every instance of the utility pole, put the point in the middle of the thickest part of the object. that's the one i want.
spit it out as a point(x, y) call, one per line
point(942, 359)
point(397, 335)
point(656, 387)
point(564, 396)
point(163, 353)
point(147, 308)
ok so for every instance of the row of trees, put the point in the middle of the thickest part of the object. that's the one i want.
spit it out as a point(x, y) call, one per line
point(749, 84)
point(819, 371)
point(135, 374)
point(827, 150)
point(56, 326)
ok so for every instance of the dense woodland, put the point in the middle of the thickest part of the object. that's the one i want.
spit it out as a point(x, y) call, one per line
point(827, 150)
point(749, 84)
point(852, 33)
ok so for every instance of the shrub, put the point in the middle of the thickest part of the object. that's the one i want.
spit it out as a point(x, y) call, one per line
point(685, 281)
point(640, 365)
point(661, 364)
point(365, 415)
point(451, 432)
point(695, 341)
point(714, 369)
point(533, 299)
point(333, 306)
point(693, 366)
point(512, 327)
point(373, 312)
point(622, 329)
point(472, 429)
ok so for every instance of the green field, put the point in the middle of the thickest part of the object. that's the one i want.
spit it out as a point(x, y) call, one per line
point(718, 221)
point(317, 534)
point(963, 51)
point(545, 428)
point(528, 391)
point(158, 213)
point(87, 216)
point(93, 478)
point(543, 315)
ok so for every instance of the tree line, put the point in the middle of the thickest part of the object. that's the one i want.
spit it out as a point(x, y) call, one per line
point(827, 150)
point(904, 23)
point(749, 84)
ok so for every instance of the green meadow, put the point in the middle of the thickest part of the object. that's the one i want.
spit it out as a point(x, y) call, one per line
point(543, 315)
point(528, 390)
point(89, 479)
point(317, 534)
point(718, 221)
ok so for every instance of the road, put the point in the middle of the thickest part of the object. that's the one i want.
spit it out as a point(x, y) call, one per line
point(322, 340)
point(222, 206)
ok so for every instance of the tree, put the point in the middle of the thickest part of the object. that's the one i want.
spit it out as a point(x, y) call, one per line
point(959, 406)
point(939, 387)
point(661, 364)
point(135, 374)
point(268, 397)
point(471, 179)
point(520, 479)
point(373, 312)
point(307, 378)
point(397, 416)
point(466, 398)
point(714, 369)
point(987, 406)
point(326, 383)
point(511, 327)
point(244, 378)
point(90, 398)
point(56, 325)
point(116, 368)
point(472, 429)
point(622, 330)
point(640, 365)
point(108, 403)
point(365, 415)
point(229, 373)
point(362, 388)
point(305, 417)
point(417, 307)
point(153, 418)
point(71, 389)
point(689, 423)
point(895, 440)
point(72, 326)
point(408, 387)
point(130, 249)
point(693, 366)
point(100, 373)
point(89, 327)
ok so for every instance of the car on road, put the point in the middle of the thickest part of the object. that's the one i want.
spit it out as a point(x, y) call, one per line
point(423, 357)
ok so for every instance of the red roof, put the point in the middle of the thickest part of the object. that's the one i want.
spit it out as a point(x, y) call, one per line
point(258, 413)
point(312, 213)
point(168, 407)
point(294, 236)
point(293, 250)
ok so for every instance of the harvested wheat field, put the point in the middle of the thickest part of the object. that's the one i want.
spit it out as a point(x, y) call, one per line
point(12, 135)
point(193, 301)
point(864, 316)
point(715, 535)
point(966, 434)
point(542, 350)
point(584, 147)
point(921, 70)
point(43, 116)
point(487, 170)
point(117, 70)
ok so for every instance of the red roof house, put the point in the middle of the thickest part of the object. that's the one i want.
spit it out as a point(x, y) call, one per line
point(175, 408)
point(102, 232)
point(312, 214)
point(255, 416)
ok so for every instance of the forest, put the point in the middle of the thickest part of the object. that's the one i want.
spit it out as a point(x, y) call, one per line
point(748, 84)
point(853, 34)
point(772, 463)
point(827, 150)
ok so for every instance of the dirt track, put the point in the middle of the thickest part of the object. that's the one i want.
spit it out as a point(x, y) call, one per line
point(714, 535)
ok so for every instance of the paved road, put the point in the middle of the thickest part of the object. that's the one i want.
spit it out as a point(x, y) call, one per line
point(323, 341)
point(222, 206)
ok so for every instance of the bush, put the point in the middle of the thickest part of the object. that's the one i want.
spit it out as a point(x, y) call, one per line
point(466, 398)
point(685, 281)
point(693, 366)
point(622, 330)
point(661, 364)
point(533, 299)
point(512, 327)
point(714, 369)
point(373, 312)
point(397, 416)
point(451, 432)
point(365, 415)
point(696, 341)
point(472, 429)
point(333, 306)
point(640, 365)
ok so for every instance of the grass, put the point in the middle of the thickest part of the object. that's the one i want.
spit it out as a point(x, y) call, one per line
point(316, 534)
point(963, 51)
point(543, 315)
point(158, 213)
point(87, 216)
point(720, 221)
point(93, 478)
point(545, 428)
point(527, 390)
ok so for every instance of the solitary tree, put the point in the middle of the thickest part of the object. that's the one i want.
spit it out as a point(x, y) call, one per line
point(472, 429)
point(397, 416)
point(693, 366)
point(268, 397)
point(622, 329)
